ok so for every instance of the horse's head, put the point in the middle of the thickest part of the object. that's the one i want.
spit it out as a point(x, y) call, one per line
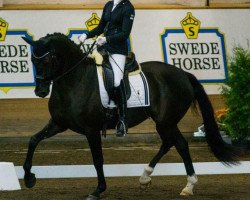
point(53, 57)
point(43, 59)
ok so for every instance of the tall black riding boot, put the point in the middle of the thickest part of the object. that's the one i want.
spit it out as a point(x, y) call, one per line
point(121, 127)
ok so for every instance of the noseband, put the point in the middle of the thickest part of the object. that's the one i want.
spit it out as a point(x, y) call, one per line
point(40, 57)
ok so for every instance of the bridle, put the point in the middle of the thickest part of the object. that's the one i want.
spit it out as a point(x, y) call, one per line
point(40, 57)
point(53, 59)
point(48, 57)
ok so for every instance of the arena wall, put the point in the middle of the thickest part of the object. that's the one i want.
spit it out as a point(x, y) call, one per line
point(24, 117)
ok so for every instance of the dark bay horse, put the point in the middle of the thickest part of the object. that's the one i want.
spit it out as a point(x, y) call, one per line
point(75, 104)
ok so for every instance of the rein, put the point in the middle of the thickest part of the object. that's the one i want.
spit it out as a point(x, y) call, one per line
point(77, 64)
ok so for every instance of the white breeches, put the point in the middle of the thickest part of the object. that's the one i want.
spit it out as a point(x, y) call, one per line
point(117, 62)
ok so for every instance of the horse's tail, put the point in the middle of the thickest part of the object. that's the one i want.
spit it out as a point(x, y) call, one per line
point(224, 152)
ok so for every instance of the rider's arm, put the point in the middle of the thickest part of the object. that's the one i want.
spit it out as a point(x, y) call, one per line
point(100, 28)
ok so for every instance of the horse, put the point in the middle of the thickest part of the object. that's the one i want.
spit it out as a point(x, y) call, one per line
point(75, 104)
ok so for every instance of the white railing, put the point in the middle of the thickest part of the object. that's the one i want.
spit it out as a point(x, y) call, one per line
point(126, 170)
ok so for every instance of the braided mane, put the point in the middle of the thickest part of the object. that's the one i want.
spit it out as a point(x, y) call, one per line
point(63, 38)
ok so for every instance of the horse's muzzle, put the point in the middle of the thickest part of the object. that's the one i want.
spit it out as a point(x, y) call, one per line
point(42, 89)
point(41, 94)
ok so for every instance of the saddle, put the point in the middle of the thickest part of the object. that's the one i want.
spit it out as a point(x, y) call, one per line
point(106, 83)
point(131, 67)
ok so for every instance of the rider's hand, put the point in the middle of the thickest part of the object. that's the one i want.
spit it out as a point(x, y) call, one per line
point(82, 37)
point(101, 40)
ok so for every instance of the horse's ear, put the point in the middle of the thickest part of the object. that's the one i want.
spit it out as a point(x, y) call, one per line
point(28, 40)
point(46, 42)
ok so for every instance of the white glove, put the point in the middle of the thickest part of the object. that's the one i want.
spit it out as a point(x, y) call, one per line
point(82, 37)
point(101, 40)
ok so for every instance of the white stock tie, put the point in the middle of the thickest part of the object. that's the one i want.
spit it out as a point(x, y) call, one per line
point(116, 2)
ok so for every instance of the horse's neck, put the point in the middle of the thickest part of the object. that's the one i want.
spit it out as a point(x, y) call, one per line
point(77, 92)
point(80, 78)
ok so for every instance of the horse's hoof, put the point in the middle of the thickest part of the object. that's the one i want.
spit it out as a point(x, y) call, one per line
point(30, 180)
point(92, 197)
point(186, 192)
point(145, 186)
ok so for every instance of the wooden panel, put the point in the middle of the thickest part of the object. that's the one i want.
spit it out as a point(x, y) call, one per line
point(50, 7)
point(89, 2)
point(24, 117)
point(230, 1)
point(138, 5)
point(84, 6)
point(159, 2)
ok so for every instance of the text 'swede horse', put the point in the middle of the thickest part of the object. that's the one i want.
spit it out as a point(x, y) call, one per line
point(75, 104)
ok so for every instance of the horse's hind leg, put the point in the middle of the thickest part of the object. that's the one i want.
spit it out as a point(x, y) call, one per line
point(182, 147)
point(49, 130)
point(167, 143)
point(171, 136)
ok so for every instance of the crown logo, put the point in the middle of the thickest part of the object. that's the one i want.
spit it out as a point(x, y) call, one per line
point(191, 26)
point(92, 22)
point(3, 29)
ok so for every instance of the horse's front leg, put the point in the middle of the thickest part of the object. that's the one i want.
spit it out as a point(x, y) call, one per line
point(49, 130)
point(95, 144)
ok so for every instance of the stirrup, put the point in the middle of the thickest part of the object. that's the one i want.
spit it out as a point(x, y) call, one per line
point(123, 132)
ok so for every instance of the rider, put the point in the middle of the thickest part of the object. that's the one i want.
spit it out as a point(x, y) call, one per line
point(116, 24)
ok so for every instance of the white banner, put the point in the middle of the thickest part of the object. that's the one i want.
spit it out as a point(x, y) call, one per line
point(204, 57)
point(198, 41)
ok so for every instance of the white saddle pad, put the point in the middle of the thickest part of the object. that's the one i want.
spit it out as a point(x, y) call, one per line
point(139, 91)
